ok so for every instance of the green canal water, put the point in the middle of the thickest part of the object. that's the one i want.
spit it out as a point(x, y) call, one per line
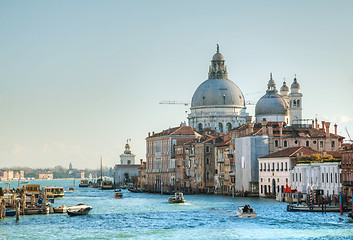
point(150, 216)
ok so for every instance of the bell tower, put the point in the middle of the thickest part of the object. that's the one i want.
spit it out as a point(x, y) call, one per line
point(296, 104)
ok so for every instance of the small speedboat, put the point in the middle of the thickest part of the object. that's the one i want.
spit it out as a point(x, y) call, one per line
point(118, 193)
point(177, 198)
point(79, 209)
point(246, 212)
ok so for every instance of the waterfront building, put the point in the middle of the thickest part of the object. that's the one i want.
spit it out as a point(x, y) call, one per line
point(45, 176)
point(347, 169)
point(127, 171)
point(218, 103)
point(317, 172)
point(142, 176)
point(274, 169)
point(160, 155)
point(224, 172)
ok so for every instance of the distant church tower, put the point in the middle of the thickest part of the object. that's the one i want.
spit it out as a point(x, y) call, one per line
point(294, 100)
point(127, 158)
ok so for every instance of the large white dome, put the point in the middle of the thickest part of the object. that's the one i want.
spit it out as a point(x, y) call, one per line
point(218, 92)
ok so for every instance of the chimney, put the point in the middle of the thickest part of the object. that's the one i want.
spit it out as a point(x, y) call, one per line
point(270, 130)
point(316, 124)
point(264, 123)
point(251, 127)
point(149, 134)
point(280, 125)
point(153, 133)
point(335, 129)
point(327, 125)
point(312, 124)
point(248, 119)
point(323, 125)
point(141, 161)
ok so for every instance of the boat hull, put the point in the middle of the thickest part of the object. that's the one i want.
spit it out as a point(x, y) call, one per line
point(295, 208)
point(10, 212)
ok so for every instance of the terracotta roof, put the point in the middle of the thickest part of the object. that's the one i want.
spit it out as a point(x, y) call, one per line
point(291, 152)
point(334, 154)
point(182, 130)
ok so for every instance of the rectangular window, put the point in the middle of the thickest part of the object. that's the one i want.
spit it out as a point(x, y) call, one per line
point(321, 144)
point(264, 166)
point(286, 167)
point(281, 166)
point(333, 144)
point(260, 166)
point(296, 177)
point(261, 189)
point(293, 176)
point(327, 177)
point(335, 177)
point(273, 166)
point(300, 177)
point(331, 178)
point(277, 167)
point(323, 177)
point(268, 166)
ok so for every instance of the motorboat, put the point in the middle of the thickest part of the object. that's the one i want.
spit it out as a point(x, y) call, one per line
point(177, 198)
point(71, 189)
point(246, 212)
point(79, 209)
point(118, 194)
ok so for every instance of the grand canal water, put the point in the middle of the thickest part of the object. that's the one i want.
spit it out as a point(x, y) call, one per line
point(150, 216)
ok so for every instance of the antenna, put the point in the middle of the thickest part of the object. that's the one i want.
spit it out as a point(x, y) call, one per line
point(350, 139)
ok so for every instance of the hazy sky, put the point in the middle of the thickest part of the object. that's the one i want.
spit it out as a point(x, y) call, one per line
point(78, 78)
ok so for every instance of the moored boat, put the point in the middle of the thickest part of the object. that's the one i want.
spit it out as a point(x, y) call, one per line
point(61, 209)
point(79, 209)
point(246, 212)
point(10, 212)
point(177, 198)
point(53, 191)
point(314, 208)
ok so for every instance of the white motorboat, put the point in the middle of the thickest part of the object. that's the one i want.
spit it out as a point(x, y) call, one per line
point(79, 209)
point(246, 212)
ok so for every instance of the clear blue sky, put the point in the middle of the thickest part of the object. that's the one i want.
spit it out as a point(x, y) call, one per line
point(77, 78)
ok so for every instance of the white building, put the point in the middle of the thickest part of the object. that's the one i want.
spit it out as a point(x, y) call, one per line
point(127, 171)
point(317, 176)
point(274, 169)
point(247, 150)
point(217, 103)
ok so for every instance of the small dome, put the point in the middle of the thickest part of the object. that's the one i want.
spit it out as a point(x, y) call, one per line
point(284, 88)
point(271, 104)
point(295, 84)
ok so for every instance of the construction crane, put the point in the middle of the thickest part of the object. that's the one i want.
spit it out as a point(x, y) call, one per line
point(174, 102)
point(350, 139)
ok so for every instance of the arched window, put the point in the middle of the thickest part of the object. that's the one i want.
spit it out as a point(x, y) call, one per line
point(229, 126)
point(207, 175)
point(285, 144)
point(294, 103)
point(207, 161)
point(307, 143)
point(298, 103)
point(200, 126)
point(276, 143)
point(220, 125)
point(207, 149)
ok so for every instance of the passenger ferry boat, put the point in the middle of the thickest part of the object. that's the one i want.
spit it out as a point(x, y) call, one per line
point(177, 198)
point(84, 183)
point(30, 189)
point(107, 185)
point(54, 192)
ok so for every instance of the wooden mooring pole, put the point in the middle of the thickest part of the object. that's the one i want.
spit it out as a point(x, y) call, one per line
point(2, 209)
point(17, 210)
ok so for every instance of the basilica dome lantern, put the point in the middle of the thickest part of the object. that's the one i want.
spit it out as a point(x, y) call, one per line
point(217, 103)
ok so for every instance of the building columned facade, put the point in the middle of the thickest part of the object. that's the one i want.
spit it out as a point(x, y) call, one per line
point(217, 103)
point(347, 169)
